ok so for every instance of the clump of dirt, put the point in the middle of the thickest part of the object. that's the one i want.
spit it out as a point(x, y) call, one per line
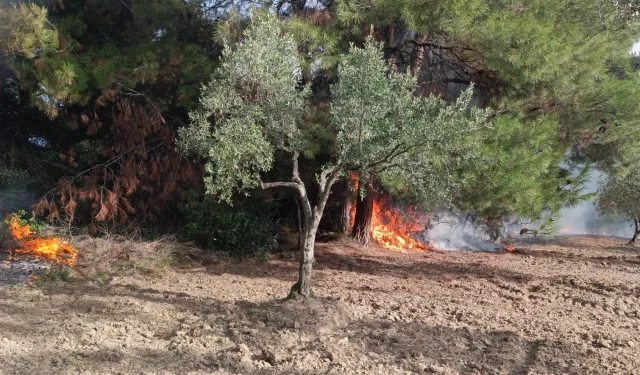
point(569, 306)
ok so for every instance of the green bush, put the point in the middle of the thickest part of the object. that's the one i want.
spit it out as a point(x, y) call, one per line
point(14, 178)
point(220, 227)
point(26, 218)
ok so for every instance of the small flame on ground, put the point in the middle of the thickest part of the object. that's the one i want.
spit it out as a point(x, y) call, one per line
point(51, 248)
point(509, 248)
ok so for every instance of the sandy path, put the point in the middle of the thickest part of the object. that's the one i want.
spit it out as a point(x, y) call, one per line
point(570, 306)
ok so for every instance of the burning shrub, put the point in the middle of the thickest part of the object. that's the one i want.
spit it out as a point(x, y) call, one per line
point(50, 248)
point(224, 228)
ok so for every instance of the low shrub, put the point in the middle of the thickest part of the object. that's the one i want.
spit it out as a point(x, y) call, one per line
point(14, 178)
point(56, 274)
point(233, 230)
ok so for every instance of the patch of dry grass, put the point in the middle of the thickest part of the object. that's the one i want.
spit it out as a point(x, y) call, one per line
point(115, 254)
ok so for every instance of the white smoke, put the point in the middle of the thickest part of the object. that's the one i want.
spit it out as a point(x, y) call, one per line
point(585, 218)
point(453, 232)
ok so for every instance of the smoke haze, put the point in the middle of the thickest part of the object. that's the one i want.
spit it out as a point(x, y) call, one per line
point(454, 232)
point(585, 219)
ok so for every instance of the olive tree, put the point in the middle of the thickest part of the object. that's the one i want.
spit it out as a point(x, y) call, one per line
point(619, 195)
point(255, 105)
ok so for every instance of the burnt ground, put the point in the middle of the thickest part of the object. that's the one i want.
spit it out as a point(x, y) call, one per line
point(19, 271)
point(567, 306)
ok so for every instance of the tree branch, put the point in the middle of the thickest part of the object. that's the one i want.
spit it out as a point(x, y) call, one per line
point(330, 179)
point(296, 172)
point(322, 180)
point(439, 46)
point(395, 153)
point(456, 80)
point(271, 185)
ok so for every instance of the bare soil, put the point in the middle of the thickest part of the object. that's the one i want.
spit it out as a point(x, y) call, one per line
point(567, 306)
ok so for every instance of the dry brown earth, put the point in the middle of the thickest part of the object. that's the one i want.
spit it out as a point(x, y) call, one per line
point(569, 306)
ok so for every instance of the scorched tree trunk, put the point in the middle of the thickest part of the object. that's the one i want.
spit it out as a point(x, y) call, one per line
point(364, 214)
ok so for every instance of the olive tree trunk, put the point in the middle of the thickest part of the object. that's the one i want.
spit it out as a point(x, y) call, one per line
point(311, 216)
point(306, 258)
point(299, 224)
point(346, 205)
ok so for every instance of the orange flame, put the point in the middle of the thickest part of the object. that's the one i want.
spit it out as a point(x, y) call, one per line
point(19, 232)
point(510, 248)
point(51, 248)
point(391, 228)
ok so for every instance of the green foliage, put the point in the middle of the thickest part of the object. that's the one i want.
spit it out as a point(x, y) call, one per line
point(616, 146)
point(532, 59)
point(256, 104)
point(10, 177)
point(33, 42)
point(70, 57)
point(547, 45)
point(619, 195)
point(319, 45)
point(613, 145)
point(25, 218)
point(387, 130)
point(25, 30)
point(551, 47)
point(221, 227)
point(517, 174)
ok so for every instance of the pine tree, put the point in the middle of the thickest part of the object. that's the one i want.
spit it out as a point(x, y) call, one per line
point(547, 62)
point(517, 174)
point(116, 79)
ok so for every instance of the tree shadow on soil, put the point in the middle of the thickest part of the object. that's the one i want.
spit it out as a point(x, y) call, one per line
point(437, 269)
point(440, 269)
point(336, 342)
point(468, 351)
point(582, 242)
